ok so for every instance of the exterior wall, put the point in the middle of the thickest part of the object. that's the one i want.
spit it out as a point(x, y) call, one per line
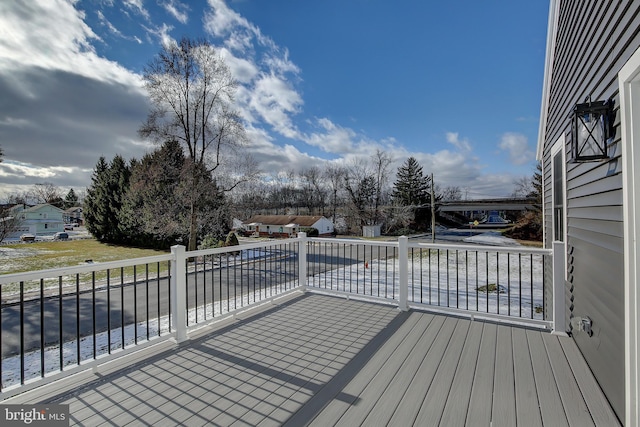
point(594, 40)
point(324, 226)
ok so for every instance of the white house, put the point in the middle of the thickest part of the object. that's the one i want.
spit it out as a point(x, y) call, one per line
point(286, 225)
point(44, 219)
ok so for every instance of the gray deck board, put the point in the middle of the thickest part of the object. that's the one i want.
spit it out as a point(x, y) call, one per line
point(371, 397)
point(337, 407)
point(570, 394)
point(433, 405)
point(481, 400)
point(409, 407)
point(395, 392)
point(457, 404)
point(600, 410)
point(527, 405)
point(324, 361)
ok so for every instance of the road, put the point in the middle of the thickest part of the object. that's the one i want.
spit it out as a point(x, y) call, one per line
point(116, 307)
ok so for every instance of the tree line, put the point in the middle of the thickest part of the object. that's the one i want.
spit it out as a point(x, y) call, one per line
point(201, 176)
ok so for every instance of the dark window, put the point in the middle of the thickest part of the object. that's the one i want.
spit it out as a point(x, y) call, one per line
point(558, 198)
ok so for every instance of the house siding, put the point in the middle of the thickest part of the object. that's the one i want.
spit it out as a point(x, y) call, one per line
point(594, 40)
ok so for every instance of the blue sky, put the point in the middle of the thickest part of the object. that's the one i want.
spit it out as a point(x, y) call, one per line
point(455, 84)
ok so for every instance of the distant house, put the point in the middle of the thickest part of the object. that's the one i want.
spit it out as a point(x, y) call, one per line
point(41, 219)
point(371, 230)
point(73, 215)
point(588, 145)
point(286, 225)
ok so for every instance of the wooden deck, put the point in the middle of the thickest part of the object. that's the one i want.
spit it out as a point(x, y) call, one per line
point(324, 361)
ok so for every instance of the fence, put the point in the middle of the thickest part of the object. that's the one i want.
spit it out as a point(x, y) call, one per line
point(65, 320)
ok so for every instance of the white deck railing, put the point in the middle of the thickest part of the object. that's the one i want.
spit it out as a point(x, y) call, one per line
point(60, 321)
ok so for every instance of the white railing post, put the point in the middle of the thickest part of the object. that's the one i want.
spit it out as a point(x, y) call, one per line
point(403, 273)
point(559, 323)
point(179, 292)
point(302, 260)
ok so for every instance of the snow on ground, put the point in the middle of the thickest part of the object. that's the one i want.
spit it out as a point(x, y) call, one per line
point(437, 277)
point(491, 238)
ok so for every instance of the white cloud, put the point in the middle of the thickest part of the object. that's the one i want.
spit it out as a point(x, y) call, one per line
point(138, 7)
point(275, 101)
point(244, 70)
point(177, 10)
point(517, 146)
point(461, 144)
point(58, 39)
point(113, 30)
point(162, 34)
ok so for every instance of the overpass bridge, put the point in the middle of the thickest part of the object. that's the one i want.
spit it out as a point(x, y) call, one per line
point(486, 205)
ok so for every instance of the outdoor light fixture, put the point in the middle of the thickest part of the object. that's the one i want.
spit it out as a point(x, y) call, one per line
point(590, 129)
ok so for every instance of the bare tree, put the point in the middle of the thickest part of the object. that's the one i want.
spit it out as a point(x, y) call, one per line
point(523, 186)
point(381, 161)
point(450, 193)
point(10, 221)
point(191, 91)
point(313, 190)
point(335, 176)
point(47, 192)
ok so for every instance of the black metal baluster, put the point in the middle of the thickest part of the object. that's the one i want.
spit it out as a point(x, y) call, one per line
point(93, 308)
point(477, 285)
point(421, 277)
point(135, 305)
point(438, 277)
point(486, 254)
point(109, 310)
point(508, 283)
point(169, 294)
point(457, 281)
point(498, 280)
point(21, 332)
point(195, 288)
point(42, 340)
point(60, 322)
point(78, 317)
point(122, 305)
point(466, 278)
point(146, 272)
point(531, 284)
point(520, 284)
point(430, 276)
point(158, 297)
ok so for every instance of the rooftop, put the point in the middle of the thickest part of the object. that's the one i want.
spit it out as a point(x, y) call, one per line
point(323, 360)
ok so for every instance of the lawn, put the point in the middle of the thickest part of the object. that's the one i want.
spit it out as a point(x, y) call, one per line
point(44, 255)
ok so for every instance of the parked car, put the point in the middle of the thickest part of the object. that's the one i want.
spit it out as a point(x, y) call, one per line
point(69, 226)
point(26, 237)
point(60, 235)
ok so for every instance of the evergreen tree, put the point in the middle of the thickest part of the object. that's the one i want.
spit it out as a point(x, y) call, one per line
point(96, 202)
point(152, 213)
point(71, 199)
point(411, 187)
point(109, 184)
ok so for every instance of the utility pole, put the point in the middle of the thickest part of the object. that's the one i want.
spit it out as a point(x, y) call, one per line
point(433, 212)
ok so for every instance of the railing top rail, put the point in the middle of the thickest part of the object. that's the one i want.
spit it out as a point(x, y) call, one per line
point(480, 248)
point(242, 246)
point(354, 241)
point(483, 248)
point(88, 268)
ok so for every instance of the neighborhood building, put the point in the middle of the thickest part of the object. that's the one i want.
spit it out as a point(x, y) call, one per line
point(73, 216)
point(43, 219)
point(588, 145)
point(286, 225)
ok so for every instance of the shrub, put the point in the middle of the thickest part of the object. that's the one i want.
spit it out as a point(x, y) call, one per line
point(311, 232)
